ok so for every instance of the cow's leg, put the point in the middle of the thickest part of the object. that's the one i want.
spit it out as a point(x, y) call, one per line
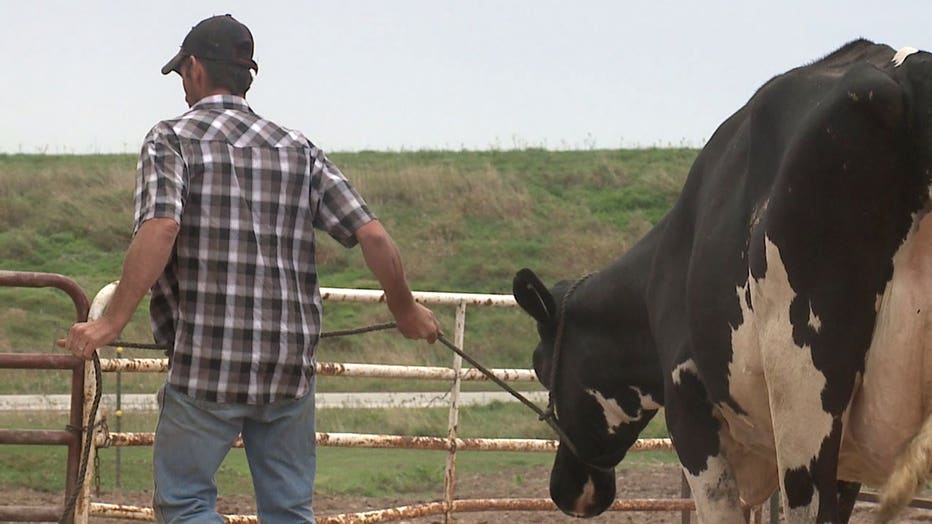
point(847, 496)
point(807, 440)
point(695, 433)
point(809, 342)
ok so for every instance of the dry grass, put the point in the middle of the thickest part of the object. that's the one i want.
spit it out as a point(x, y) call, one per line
point(89, 199)
point(482, 192)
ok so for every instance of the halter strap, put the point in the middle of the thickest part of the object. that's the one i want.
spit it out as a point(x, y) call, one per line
point(550, 415)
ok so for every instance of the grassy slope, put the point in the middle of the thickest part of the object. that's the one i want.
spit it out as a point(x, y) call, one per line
point(465, 221)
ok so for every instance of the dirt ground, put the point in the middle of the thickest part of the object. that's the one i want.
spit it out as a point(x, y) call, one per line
point(662, 481)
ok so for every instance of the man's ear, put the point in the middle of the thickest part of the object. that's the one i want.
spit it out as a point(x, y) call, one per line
point(534, 297)
point(195, 66)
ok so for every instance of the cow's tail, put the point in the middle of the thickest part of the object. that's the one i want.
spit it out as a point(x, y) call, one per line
point(909, 474)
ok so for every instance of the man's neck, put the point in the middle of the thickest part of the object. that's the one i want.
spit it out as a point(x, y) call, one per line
point(213, 92)
point(219, 91)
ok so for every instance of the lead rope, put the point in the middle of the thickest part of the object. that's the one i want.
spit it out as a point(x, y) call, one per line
point(546, 416)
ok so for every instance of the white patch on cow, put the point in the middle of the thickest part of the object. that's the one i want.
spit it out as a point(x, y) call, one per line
point(746, 380)
point(614, 414)
point(901, 55)
point(715, 492)
point(686, 367)
point(585, 499)
point(814, 322)
point(647, 401)
point(747, 438)
point(794, 384)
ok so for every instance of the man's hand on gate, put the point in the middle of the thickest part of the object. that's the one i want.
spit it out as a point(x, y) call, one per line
point(84, 338)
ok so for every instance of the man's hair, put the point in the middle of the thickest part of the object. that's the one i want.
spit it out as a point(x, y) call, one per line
point(234, 77)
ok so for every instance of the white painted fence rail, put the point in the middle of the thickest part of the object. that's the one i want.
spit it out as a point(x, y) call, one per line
point(369, 400)
point(160, 365)
point(332, 294)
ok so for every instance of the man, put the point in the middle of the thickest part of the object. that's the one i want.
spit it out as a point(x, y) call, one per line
point(226, 207)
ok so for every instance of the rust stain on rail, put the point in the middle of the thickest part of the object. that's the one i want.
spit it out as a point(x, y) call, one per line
point(134, 365)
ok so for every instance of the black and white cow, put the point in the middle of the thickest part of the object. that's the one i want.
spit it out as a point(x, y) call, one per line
point(781, 312)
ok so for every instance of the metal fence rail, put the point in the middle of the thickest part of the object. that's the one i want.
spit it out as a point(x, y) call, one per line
point(451, 443)
point(72, 436)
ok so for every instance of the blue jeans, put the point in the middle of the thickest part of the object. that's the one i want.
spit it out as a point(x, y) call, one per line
point(193, 437)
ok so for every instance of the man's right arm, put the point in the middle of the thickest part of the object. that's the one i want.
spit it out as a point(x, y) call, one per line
point(146, 258)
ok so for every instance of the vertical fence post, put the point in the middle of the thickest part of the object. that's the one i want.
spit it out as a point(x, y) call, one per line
point(775, 508)
point(117, 479)
point(83, 503)
point(685, 493)
point(449, 478)
point(757, 515)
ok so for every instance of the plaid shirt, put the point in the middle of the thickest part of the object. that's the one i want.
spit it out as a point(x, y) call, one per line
point(239, 302)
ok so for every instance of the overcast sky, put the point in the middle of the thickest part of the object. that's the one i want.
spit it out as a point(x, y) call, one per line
point(83, 77)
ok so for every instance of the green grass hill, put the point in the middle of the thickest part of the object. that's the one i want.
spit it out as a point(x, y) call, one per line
point(465, 222)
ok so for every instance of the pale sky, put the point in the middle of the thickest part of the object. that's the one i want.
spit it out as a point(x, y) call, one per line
point(83, 76)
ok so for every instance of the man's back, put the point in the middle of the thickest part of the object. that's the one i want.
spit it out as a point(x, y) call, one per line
point(239, 300)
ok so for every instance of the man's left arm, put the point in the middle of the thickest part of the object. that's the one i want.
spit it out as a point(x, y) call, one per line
point(146, 258)
point(384, 260)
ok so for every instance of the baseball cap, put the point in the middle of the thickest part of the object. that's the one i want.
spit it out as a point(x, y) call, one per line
point(220, 38)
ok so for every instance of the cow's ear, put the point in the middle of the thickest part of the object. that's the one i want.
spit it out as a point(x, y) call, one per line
point(534, 297)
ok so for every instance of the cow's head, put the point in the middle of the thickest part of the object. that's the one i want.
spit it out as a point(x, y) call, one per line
point(605, 388)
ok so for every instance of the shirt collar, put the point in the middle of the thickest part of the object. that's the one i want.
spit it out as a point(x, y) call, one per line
point(222, 102)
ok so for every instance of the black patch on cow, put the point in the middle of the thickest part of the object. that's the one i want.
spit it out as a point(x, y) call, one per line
point(691, 424)
point(797, 483)
point(803, 331)
point(800, 484)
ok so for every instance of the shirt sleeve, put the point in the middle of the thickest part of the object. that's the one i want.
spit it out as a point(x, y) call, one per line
point(160, 178)
point(339, 209)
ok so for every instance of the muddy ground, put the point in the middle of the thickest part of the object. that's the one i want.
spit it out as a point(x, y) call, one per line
point(661, 481)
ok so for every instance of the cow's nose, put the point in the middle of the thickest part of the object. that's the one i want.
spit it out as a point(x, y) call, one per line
point(592, 499)
point(586, 504)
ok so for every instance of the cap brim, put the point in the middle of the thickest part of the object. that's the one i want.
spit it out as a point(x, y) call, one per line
point(173, 64)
